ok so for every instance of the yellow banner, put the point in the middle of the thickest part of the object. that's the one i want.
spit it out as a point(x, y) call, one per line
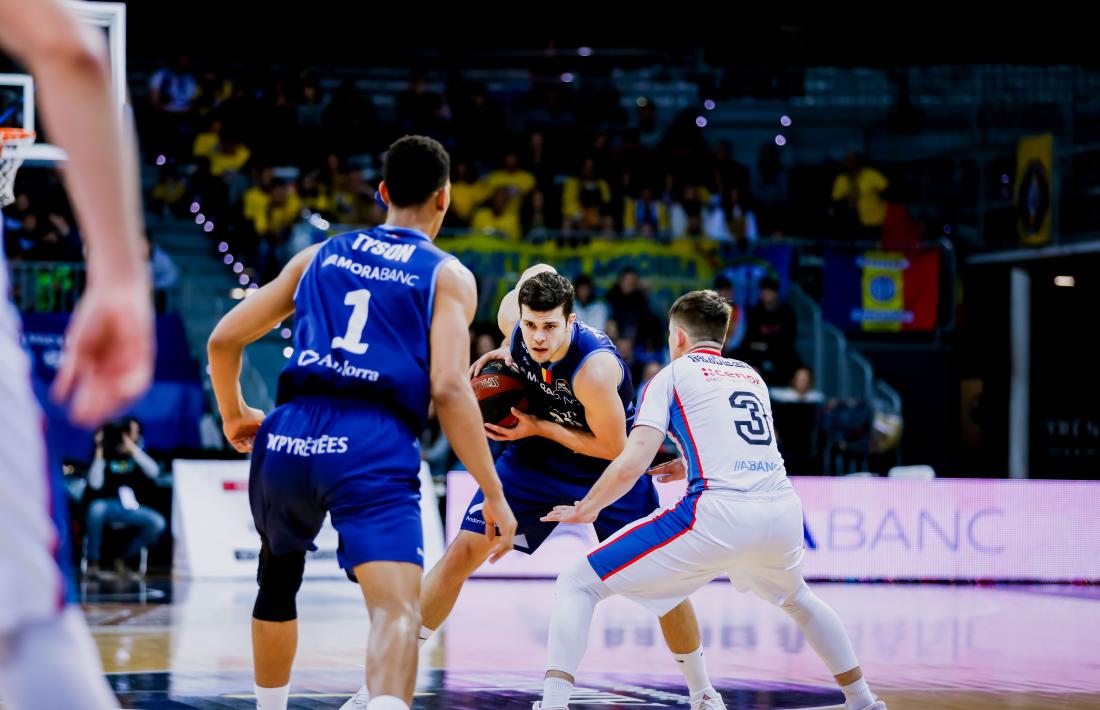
point(1035, 189)
point(883, 290)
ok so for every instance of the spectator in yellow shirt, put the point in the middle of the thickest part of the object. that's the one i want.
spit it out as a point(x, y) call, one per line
point(467, 192)
point(314, 193)
point(861, 188)
point(516, 181)
point(585, 199)
point(496, 218)
point(207, 141)
point(169, 192)
point(257, 197)
point(228, 157)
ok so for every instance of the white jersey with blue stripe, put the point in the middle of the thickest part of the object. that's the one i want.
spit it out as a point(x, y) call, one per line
point(718, 412)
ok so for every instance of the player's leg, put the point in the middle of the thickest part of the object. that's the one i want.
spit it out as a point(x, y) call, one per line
point(576, 594)
point(681, 631)
point(391, 591)
point(679, 626)
point(443, 583)
point(47, 657)
point(654, 561)
point(773, 570)
point(375, 507)
point(288, 517)
point(275, 624)
point(530, 494)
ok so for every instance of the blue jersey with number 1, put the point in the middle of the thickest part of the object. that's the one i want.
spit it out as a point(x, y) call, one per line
point(363, 312)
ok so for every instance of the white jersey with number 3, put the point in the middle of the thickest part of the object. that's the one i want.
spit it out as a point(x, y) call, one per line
point(718, 412)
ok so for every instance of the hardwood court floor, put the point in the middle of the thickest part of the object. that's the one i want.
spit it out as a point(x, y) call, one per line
point(921, 646)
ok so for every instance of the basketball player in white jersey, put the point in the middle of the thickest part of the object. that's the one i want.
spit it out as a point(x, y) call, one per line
point(740, 514)
point(47, 658)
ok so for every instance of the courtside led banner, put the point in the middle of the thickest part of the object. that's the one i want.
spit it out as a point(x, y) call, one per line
point(882, 528)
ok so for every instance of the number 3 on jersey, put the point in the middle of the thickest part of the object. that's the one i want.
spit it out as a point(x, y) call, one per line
point(756, 431)
point(352, 339)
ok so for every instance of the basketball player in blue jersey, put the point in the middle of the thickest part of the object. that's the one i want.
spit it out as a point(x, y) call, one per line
point(381, 329)
point(580, 408)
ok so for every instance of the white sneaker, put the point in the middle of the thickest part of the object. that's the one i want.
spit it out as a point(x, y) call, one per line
point(877, 705)
point(708, 699)
point(358, 701)
point(537, 705)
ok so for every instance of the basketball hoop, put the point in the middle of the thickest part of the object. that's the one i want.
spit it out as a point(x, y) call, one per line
point(13, 145)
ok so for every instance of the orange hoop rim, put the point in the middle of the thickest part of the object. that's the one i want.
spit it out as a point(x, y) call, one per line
point(15, 134)
point(14, 138)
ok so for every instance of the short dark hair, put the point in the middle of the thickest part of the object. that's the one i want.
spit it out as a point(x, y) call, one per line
point(704, 315)
point(546, 291)
point(415, 167)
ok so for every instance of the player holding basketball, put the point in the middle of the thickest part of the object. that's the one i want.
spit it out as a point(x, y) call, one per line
point(47, 658)
point(740, 514)
point(381, 329)
point(581, 405)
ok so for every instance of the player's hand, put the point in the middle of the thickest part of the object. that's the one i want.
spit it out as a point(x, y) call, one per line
point(526, 426)
point(576, 513)
point(500, 526)
point(241, 430)
point(108, 359)
point(502, 353)
point(668, 471)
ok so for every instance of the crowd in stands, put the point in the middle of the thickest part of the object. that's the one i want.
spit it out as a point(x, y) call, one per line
point(556, 161)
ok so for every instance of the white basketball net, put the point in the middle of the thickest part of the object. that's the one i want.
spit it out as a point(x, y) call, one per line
point(13, 146)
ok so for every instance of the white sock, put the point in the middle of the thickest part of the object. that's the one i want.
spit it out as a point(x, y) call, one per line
point(556, 692)
point(387, 702)
point(363, 691)
point(425, 634)
point(694, 668)
point(857, 695)
point(272, 698)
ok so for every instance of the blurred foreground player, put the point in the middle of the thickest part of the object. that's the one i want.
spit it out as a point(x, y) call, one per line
point(47, 658)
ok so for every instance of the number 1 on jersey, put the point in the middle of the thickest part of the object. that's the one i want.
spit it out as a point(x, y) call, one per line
point(351, 340)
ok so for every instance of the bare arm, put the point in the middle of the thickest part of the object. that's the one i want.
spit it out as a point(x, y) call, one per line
point(109, 342)
point(455, 404)
point(596, 387)
point(617, 479)
point(246, 323)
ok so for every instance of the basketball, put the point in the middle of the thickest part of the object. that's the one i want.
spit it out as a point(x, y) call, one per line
point(498, 389)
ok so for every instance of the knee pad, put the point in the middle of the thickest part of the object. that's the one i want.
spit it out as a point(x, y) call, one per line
point(580, 577)
point(796, 603)
point(280, 578)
